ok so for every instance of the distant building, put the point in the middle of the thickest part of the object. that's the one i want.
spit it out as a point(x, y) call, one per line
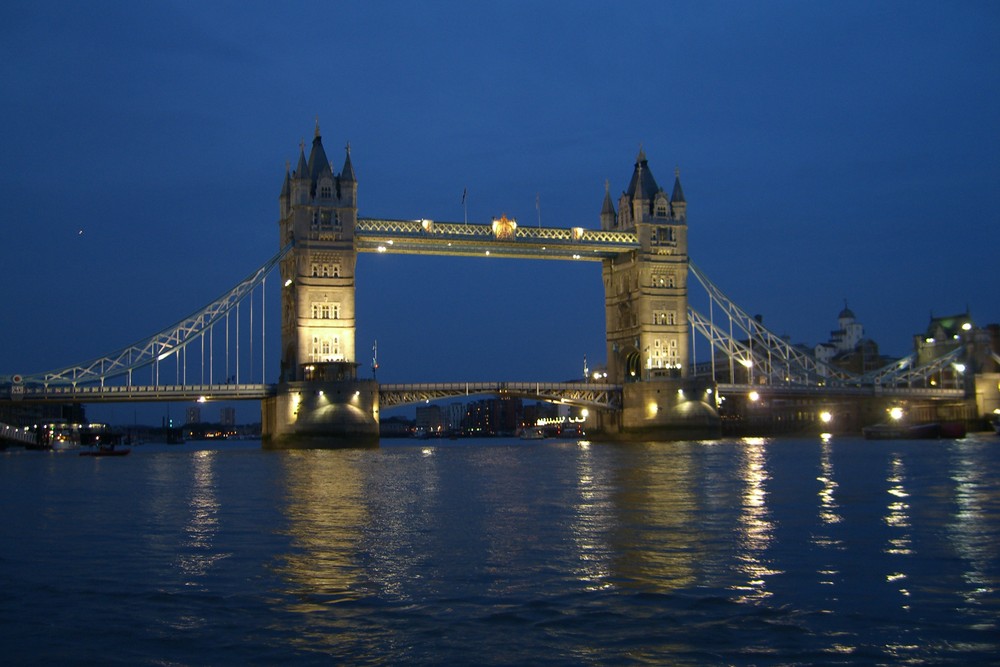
point(848, 348)
point(193, 415)
point(227, 417)
point(430, 419)
point(455, 413)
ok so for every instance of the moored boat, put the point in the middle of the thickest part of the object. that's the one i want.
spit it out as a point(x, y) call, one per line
point(101, 440)
point(928, 431)
point(106, 450)
point(532, 433)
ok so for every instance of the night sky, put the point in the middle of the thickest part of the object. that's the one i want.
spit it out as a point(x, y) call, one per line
point(828, 152)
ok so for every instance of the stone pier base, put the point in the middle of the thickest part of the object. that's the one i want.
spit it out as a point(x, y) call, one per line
point(669, 409)
point(321, 415)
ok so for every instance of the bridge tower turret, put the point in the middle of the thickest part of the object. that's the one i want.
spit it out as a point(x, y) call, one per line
point(319, 395)
point(646, 290)
point(646, 303)
point(318, 213)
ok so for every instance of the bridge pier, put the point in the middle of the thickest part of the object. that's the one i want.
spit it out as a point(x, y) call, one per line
point(323, 413)
point(664, 409)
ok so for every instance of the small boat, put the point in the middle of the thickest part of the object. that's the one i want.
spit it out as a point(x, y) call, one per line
point(532, 433)
point(106, 450)
point(928, 431)
point(101, 440)
point(902, 431)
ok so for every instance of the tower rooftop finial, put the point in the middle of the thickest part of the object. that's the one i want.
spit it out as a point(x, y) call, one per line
point(316, 135)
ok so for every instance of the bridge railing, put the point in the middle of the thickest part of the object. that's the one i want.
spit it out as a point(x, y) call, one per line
point(430, 228)
point(574, 393)
point(113, 393)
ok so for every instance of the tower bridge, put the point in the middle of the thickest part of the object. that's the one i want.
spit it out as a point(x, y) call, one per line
point(658, 382)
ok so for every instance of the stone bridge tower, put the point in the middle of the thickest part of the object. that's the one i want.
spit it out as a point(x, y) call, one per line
point(319, 210)
point(645, 291)
point(319, 398)
point(646, 303)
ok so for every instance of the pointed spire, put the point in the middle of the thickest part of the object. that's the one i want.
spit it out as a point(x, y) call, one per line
point(286, 186)
point(608, 208)
point(347, 173)
point(301, 169)
point(316, 135)
point(317, 157)
point(678, 194)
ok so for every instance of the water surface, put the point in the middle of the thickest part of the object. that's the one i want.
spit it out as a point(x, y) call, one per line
point(496, 552)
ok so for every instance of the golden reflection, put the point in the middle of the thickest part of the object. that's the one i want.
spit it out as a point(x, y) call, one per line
point(829, 510)
point(592, 522)
point(898, 510)
point(203, 524)
point(325, 509)
point(968, 529)
point(658, 546)
point(755, 523)
point(898, 517)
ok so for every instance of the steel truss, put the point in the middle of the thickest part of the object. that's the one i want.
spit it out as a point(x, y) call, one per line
point(770, 359)
point(161, 345)
point(582, 394)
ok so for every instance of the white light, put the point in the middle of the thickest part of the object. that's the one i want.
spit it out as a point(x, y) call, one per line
point(928, 340)
point(746, 363)
point(959, 367)
point(967, 326)
point(202, 399)
point(381, 248)
point(319, 393)
point(288, 282)
point(896, 413)
point(487, 253)
point(584, 413)
point(825, 417)
point(753, 396)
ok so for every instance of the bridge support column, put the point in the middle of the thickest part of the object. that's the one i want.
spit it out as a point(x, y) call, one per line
point(669, 409)
point(321, 414)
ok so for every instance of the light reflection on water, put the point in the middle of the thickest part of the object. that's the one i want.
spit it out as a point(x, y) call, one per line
point(500, 552)
point(755, 521)
point(969, 531)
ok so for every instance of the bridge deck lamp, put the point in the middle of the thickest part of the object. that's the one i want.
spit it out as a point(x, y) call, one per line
point(896, 413)
point(753, 396)
point(825, 417)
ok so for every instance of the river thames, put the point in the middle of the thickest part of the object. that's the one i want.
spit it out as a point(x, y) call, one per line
point(503, 552)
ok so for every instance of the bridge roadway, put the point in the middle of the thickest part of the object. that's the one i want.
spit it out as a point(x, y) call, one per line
point(572, 393)
point(427, 237)
point(584, 394)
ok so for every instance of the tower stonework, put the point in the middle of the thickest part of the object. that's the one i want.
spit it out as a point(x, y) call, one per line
point(645, 297)
point(319, 397)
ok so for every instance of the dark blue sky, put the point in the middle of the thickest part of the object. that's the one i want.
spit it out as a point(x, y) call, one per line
point(828, 151)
